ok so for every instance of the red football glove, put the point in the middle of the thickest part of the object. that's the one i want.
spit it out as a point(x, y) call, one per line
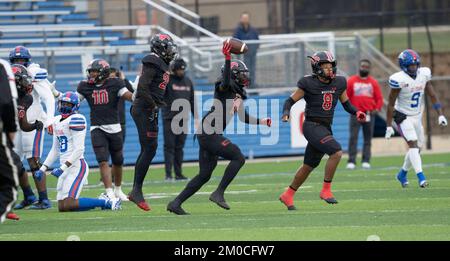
point(226, 50)
point(360, 116)
point(267, 122)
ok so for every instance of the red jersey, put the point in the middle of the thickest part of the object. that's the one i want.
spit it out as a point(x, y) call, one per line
point(364, 94)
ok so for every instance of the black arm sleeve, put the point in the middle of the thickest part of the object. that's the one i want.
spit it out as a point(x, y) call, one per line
point(143, 89)
point(247, 118)
point(349, 107)
point(128, 85)
point(226, 75)
point(288, 105)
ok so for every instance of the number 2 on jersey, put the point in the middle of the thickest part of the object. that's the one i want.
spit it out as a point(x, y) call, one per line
point(415, 98)
point(62, 143)
point(327, 101)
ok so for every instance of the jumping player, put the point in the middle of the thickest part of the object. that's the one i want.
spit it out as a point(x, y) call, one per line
point(69, 133)
point(29, 145)
point(229, 88)
point(406, 106)
point(321, 91)
point(149, 97)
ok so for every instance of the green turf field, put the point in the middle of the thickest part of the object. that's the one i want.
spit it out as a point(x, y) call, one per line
point(370, 203)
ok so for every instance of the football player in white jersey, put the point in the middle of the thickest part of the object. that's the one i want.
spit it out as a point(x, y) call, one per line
point(406, 106)
point(69, 133)
point(29, 145)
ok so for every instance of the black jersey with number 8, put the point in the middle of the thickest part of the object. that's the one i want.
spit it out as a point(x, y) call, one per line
point(321, 98)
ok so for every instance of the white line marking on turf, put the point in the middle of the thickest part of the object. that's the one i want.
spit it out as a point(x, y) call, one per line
point(225, 229)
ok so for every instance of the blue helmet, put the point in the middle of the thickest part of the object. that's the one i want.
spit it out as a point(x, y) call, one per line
point(20, 52)
point(65, 99)
point(409, 57)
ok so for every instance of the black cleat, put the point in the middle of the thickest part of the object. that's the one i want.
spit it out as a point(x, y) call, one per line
point(218, 198)
point(424, 184)
point(176, 209)
point(330, 200)
point(180, 177)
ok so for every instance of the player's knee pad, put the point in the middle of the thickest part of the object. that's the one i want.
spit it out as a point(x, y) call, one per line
point(117, 158)
point(34, 163)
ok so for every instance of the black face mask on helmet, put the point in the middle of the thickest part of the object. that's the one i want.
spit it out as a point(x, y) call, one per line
point(164, 47)
point(24, 81)
point(322, 57)
point(103, 69)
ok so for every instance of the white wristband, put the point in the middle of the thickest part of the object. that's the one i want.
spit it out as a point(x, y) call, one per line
point(63, 167)
point(43, 168)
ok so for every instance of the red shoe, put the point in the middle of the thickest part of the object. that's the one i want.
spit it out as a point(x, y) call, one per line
point(328, 197)
point(142, 204)
point(287, 201)
point(12, 216)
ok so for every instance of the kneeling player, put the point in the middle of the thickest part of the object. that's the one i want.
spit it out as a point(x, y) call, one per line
point(321, 92)
point(69, 133)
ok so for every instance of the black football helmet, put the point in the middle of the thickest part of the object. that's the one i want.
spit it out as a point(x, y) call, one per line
point(24, 81)
point(103, 69)
point(163, 45)
point(239, 73)
point(319, 58)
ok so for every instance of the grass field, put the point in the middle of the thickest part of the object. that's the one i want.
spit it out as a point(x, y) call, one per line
point(370, 203)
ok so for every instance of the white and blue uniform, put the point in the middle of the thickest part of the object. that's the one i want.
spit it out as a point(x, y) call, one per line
point(410, 102)
point(30, 144)
point(69, 144)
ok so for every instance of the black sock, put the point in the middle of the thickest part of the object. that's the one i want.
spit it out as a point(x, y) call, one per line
point(230, 172)
point(141, 167)
point(193, 186)
point(327, 181)
point(43, 195)
point(292, 188)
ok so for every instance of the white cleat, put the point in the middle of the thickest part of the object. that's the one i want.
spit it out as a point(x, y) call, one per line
point(365, 165)
point(120, 195)
point(110, 195)
point(116, 204)
point(104, 196)
point(351, 165)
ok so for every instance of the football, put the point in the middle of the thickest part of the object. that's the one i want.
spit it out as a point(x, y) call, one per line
point(237, 46)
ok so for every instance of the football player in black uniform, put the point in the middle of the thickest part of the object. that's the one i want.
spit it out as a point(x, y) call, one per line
point(8, 128)
point(321, 91)
point(149, 97)
point(103, 94)
point(229, 89)
point(24, 88)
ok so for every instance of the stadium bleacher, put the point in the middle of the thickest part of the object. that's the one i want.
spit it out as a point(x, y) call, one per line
point(67, 75)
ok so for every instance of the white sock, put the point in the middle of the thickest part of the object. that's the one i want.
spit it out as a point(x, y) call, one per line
point(117, 188)
point(407, 162)
point(415, 159)
point(109, 191)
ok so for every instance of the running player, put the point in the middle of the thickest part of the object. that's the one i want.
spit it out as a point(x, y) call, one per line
point(321, 91)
